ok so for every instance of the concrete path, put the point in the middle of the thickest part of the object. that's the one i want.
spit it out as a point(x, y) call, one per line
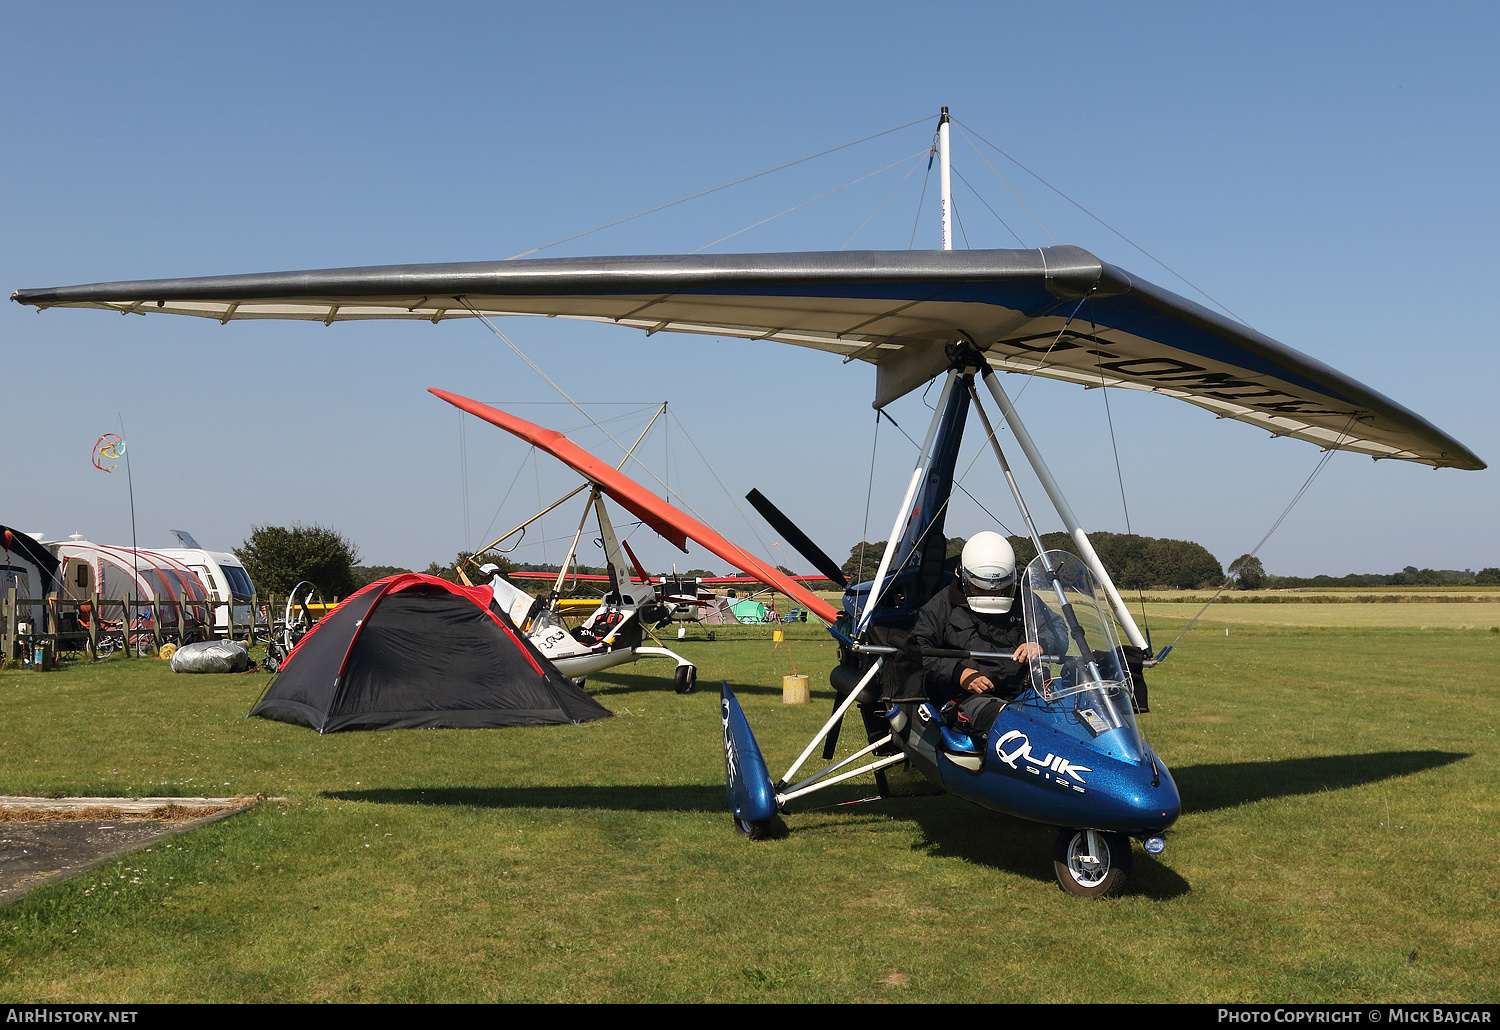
point(45, 840)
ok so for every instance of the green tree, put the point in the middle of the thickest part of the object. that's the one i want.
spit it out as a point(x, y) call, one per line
point(864, 558)
point(864, 561)
point(279, 558)
point(1182, 564)
point(364, 575)
point(1248, 573)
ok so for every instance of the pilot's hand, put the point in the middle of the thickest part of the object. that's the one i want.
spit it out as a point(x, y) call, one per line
point(974, 683)
point(1027, 652)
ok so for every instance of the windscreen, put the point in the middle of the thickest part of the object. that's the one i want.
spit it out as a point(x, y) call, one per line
point(1079, 678)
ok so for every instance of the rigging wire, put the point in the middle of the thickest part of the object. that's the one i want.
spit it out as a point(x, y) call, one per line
point(810, 200)
point(880, 205)
point(529, 455)
point(717, 189)
point(987, 204)
point(536, 468)
point(1328, 452)
point(1106, 225)
point(1115, 446)
point(463, 471)
point(1041, 362)
point(864, 533)
point(714, 472)
point(922, 199)
point(533, 365)
point(957, 482)
point(1006, 183)
point(953, 204)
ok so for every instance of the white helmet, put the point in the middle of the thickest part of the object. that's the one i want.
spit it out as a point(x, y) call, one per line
point(988, 572)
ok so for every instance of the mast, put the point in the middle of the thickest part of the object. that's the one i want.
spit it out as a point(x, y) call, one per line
point(1018, 428)
point(945, 177)
point(957, 393)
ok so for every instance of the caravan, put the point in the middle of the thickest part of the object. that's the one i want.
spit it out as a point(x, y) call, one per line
point(120, 574)
point(229, 588)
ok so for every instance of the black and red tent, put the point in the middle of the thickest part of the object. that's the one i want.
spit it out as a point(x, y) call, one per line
point(417, 651)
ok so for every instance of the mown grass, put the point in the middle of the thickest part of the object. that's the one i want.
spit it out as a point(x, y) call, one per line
point(1167, 617)
point(1339, 814)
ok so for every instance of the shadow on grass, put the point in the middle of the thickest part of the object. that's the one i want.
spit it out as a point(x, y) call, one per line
point(949, 826)
point(957, 829)
point(1208, 788)
point(1025, 849)
point(614, 684)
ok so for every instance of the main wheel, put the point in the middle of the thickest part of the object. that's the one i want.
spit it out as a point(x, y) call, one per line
point(1091, 863)
point(760, 829)
point(685, 678)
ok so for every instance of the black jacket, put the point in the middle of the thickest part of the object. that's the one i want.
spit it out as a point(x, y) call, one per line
point(948, 622)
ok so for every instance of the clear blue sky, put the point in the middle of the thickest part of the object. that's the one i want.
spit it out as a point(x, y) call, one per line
point(1325, 171)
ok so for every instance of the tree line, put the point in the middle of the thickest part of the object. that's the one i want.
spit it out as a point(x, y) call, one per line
point(1134, 562)
point(279, 557)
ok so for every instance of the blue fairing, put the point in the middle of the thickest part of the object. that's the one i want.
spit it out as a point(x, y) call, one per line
point(1067, 751)
point(752, 796)
point(1033, 771)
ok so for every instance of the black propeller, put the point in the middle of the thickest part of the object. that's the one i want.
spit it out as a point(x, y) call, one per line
point(798, 539)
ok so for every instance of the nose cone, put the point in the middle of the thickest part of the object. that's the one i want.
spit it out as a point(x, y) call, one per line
point(1152, 808)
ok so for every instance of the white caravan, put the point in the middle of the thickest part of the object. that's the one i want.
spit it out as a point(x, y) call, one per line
point(225, 579)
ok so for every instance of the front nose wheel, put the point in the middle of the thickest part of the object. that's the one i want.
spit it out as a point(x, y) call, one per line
point(1091, 863)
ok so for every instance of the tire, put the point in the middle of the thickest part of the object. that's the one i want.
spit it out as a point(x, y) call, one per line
point(1091, 863)
point(760, 829)
point(685, 679)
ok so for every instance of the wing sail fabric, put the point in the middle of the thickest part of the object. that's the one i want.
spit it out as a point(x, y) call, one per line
point(672, 523)
point(1057, 312)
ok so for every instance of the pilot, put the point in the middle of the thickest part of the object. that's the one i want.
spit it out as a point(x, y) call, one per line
point(977, 612)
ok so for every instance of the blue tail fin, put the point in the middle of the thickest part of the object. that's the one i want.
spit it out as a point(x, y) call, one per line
point(752, 797)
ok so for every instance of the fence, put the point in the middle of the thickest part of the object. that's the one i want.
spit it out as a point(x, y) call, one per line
point(134, 625)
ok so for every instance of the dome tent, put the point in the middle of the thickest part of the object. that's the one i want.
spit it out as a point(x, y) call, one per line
point(417, 651)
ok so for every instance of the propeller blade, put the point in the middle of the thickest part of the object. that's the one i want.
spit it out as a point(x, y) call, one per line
point(798, 539)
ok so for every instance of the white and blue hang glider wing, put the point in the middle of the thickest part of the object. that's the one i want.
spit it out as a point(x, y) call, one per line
point(1057, 312)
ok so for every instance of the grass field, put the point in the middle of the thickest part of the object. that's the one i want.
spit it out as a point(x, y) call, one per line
point(1166, 617)
point(1335, 845)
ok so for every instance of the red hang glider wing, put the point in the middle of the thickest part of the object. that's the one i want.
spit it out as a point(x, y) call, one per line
point(672, 523)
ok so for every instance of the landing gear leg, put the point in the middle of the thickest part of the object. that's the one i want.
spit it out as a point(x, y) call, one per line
point(1091, 863)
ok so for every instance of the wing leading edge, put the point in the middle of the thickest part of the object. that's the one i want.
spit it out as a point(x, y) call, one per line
point(1057, 312)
